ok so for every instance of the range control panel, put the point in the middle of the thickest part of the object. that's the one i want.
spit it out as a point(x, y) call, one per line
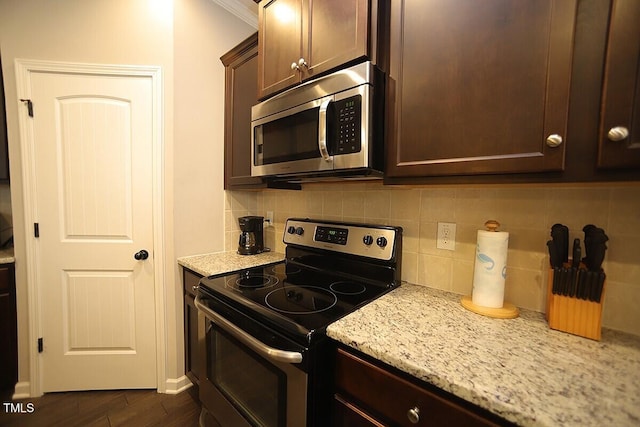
point(374, 241)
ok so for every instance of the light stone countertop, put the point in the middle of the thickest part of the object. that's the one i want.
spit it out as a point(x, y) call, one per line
point(227, 262)
point(6, 256)
point(519, 369)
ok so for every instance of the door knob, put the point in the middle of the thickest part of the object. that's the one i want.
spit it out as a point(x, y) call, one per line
point(141, 255)
point(618, 133)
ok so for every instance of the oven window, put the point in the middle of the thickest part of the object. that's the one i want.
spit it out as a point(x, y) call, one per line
point(255, 387)
point(291, 138)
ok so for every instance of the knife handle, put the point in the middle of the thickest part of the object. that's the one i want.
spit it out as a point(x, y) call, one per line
point(583, 284)
point(575, 262)
point(573, 282)
point(564, 277)
point(555, 288)
point(601, 277)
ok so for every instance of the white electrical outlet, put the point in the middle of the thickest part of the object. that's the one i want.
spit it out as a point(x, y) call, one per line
point(269, 217)
point(446, 238)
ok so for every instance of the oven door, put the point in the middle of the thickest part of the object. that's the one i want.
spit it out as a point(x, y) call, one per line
point(249, 383)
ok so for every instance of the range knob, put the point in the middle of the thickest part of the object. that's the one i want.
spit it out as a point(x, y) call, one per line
point(367, 240)
point(381, 241)
point(299, 231)
point(291, 229)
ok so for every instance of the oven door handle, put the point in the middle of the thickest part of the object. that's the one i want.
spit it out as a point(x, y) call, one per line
point(251, 342)
point(322, 129)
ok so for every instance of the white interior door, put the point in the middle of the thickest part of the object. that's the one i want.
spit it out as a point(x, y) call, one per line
point(93, 164)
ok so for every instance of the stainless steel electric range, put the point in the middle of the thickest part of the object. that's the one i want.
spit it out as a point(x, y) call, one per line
point(269, 362)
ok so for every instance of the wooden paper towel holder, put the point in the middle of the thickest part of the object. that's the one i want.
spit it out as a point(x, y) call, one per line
point(507, 311)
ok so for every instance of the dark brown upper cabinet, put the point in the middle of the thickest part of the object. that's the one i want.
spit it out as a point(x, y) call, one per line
point(478, 87)
point(619, 139)
point(241, 89)
point(301, 39)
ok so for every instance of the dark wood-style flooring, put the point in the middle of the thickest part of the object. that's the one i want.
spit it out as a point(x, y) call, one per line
point(136, 408)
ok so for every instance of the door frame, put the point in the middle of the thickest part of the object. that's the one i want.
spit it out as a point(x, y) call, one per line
point(24, 69)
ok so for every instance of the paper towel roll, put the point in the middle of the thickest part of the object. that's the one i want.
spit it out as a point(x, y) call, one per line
point(490, 268)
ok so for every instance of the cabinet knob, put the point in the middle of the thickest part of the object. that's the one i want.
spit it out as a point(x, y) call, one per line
point(554, 140)
point(414, 415)
point(299, 65)
point(618, 133)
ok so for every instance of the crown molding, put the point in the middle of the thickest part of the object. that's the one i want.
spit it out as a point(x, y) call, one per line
point(240, 10)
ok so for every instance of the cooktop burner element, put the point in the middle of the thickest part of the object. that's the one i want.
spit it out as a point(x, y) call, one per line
point(285, 269)
point(255, 281)
point(348, 288)
point(330, 270)
point(301, 299)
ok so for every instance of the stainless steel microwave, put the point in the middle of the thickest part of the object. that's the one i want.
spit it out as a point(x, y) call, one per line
point(329, 127)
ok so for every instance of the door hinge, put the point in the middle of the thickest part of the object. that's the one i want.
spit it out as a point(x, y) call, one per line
point(29, 106)
point(36, 229)
point(40, 345)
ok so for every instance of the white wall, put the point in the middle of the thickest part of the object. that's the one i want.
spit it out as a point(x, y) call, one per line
point(203, 32)
point(187, 46)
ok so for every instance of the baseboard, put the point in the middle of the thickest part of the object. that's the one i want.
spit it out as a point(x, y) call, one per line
point(177, 385)
point(22, 390)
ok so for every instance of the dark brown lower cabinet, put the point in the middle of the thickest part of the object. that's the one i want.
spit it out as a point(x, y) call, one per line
point(370, 393)
point(8, 328)
point(193, 330)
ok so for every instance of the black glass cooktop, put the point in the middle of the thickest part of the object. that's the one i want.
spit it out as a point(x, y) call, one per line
point(294, 299)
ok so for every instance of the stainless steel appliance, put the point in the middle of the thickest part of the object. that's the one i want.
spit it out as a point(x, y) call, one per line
point(268, 358)
point(331, 126)
point(251, 240)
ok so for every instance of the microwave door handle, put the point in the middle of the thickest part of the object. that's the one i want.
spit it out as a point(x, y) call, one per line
point(322, 129)
point(248, 340)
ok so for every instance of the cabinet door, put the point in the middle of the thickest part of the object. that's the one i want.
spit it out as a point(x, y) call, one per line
point(368, 394)
point(477, 87)
point(279, 44)
point(8, 329)
point(334, 32)
point(241, 93)
point(619, 142)
point(194, 334)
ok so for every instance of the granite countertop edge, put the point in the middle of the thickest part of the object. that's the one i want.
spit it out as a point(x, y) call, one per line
point(518, 369)
point(7, 256)
point(215, 263)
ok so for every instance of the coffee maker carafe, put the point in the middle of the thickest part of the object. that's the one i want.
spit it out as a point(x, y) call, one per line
point(251, 235)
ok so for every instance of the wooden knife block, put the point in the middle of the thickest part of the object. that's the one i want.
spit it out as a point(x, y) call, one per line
point(574, 315)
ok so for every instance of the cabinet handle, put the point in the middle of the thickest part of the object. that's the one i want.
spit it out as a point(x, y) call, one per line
point(554, 140)
point(618, 133)
point(322, 129)
point(414, 415)
point(294, 66)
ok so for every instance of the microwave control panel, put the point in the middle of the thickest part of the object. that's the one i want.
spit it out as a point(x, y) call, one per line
point(349, 118)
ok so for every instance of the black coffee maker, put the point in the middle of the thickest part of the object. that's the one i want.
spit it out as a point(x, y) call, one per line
point(251, 240)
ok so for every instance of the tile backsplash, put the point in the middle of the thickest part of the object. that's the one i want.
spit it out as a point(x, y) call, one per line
point(526, 212)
